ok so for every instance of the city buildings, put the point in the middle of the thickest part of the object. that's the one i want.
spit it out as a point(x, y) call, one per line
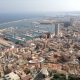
point(43, 56)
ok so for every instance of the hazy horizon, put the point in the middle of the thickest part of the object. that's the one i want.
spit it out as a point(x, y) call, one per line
point(38, 6)
point(19, 9)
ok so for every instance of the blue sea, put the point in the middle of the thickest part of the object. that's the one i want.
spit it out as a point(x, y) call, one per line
point(24, 25)
point(24, 22)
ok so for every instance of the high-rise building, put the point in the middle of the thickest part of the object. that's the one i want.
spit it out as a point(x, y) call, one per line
point(57, 29)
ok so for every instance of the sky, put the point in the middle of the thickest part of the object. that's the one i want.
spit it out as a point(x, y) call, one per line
point(38, 6)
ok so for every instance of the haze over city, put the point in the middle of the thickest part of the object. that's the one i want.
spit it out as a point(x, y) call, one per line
point(39, 39)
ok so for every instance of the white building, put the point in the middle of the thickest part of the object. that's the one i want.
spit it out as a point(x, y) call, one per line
point(11, 76)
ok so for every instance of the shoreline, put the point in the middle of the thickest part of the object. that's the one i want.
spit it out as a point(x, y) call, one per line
point(20, 20)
